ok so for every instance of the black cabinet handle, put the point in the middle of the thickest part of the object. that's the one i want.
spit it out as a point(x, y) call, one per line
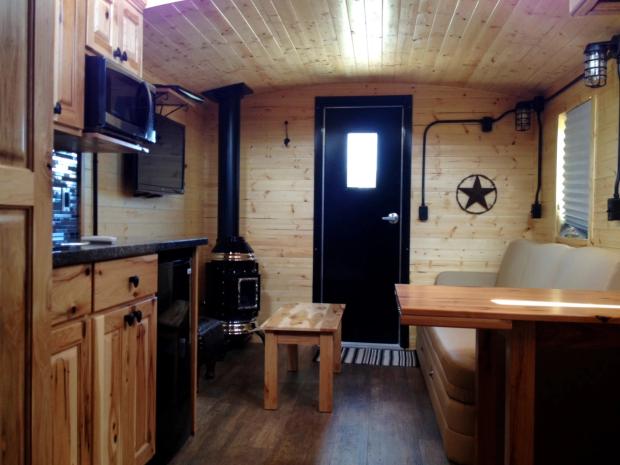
point(129, 319)
point(124, 56)
point(57, 108)
point(134, 281)
point(117, 53)
point(138, 315)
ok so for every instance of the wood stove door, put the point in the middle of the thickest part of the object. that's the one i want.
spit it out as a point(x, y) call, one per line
point(362, 189)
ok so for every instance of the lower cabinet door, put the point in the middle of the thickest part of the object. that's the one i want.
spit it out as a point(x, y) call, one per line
point(125, 360)
point(112, 383)
point(70, 363)
point(144, 348)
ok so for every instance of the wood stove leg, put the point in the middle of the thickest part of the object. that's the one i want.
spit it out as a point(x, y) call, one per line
point(326, 373)
point(293, 358)
point(271, 372)
point(520, 393)
point(490, 397)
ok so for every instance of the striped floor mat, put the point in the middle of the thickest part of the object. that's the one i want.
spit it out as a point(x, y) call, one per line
point(384, 357)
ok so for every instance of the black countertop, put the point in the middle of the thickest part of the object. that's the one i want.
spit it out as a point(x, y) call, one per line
point(75, 255)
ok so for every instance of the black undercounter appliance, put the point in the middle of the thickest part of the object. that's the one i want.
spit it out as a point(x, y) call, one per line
point(174, 369)
point(233, 280)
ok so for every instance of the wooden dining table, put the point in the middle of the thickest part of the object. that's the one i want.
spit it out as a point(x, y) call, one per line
point(515, 330)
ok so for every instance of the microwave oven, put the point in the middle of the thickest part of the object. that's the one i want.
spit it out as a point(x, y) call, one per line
point(118, 103)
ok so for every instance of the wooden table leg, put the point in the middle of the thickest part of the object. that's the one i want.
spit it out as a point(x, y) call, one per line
point(326, 376)
point(520, 393)
point(337, 350)
point(293, 358)
point(271, 371)
point(490, 397)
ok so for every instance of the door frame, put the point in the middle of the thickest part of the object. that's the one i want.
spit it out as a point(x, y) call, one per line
point(321, 105)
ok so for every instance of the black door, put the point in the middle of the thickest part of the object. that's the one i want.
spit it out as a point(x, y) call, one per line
point(361, 226)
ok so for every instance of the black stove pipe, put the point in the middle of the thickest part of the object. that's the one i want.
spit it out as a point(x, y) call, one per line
point(229, 120)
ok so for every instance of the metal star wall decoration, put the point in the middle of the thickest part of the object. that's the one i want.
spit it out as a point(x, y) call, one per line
point(476, 194)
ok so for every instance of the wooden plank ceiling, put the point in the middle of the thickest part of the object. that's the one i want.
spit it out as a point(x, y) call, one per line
point(503, 45)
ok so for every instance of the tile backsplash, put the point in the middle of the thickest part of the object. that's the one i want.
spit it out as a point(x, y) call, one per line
point(66, 197)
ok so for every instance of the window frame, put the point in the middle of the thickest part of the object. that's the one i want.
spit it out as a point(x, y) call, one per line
point(573, 241)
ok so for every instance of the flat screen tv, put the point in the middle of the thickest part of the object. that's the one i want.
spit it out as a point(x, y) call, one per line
point(162, 171)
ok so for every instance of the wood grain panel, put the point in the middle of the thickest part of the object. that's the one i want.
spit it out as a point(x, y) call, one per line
point(499, 45)
point(277, 183)
point(72, 292)
point(14, 79)
point(71, 382)
point(70, 40)
point(144, 363)
point(13, 247)
point(113, 285)
point(112, 444)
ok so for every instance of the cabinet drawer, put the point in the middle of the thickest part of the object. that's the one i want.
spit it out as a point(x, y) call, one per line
point(121, 281)
point(72, 288)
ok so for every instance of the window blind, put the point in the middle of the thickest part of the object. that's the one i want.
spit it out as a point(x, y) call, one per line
point(576, 178)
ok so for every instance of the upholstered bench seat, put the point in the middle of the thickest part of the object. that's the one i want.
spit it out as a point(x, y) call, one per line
point(447, 355)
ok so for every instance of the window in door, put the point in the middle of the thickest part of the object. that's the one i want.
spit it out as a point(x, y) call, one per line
point(573, 183)
point(362, 160)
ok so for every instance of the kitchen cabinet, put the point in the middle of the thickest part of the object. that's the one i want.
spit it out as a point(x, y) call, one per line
point(124, 384)
point(70, 407)
point(103, 361)
point(102, 26)
point(120, 281)
point(69, 41)
point(131, 30)
point(114, 29)
point(71, 292)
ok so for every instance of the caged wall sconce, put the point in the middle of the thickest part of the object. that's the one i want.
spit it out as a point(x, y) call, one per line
point(595, 57)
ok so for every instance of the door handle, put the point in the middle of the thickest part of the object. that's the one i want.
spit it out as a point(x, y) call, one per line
point(392, 218)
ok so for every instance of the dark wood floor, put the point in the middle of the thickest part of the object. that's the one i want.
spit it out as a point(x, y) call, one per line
point(382, 415)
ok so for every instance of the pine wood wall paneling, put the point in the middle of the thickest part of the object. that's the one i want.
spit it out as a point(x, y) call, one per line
point(500, 45)
point(277, 183)
point(605, 113)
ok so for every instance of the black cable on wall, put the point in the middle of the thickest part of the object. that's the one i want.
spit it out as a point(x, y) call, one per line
point(486, 123)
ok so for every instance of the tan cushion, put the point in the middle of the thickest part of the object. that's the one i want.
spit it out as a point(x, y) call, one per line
point(456, 353)
point(591, 268)
point(459, 447)
point(466, 278)
point(528, 264)
point(460, 417)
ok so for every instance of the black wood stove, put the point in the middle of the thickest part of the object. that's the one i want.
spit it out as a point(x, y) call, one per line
point(233, 281)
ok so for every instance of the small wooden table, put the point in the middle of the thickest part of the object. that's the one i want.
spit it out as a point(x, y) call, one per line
point(309, 324)
point(529, 321)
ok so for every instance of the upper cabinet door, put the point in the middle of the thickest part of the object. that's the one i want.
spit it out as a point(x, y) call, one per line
point(70, 29)
point(131, 27)
point(102, 26)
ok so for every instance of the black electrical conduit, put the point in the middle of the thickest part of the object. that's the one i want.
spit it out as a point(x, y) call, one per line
point(487, 125)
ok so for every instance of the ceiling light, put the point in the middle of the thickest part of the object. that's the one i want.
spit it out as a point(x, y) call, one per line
point(595, 58)
point(595, 64)
point(523, 116)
